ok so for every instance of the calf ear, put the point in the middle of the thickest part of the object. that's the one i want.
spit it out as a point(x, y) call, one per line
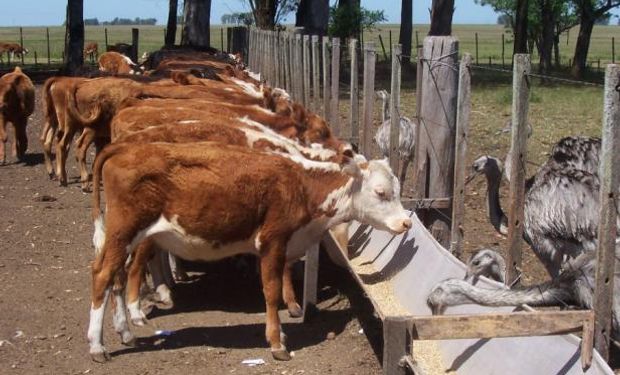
point(351, 168)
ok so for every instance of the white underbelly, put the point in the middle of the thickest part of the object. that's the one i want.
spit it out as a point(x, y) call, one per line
point(170, 236)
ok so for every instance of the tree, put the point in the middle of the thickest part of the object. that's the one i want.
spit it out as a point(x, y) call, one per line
point(589, 11)
point(74, 37)
point(348, 22)
point(196, 16)
point(441, 17)
point(269, 13)
point(171, 29)
point(504, 20)
point(406, 28)
point(520, 27)
point(313, 16)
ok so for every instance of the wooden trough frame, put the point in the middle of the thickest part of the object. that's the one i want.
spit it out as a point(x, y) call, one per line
point(279, 55)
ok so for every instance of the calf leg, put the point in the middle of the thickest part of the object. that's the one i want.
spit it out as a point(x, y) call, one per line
point(288, 292)
point(47, 139)
point(62, 149)
point(21, 138)
point(143, 252)
point(120, 312)
point(272, 267)
point(3, 139)
point(104, 269)
point(85, 140)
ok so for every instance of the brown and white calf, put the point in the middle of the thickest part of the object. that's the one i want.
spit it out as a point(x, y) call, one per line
point(116, 63)
point(12, 50)
point(207, 201)
point(16, 105)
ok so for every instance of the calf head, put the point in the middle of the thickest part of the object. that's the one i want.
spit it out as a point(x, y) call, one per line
point(376, 196)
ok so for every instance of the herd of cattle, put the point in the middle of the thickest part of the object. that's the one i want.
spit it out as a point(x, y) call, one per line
point(205, 168)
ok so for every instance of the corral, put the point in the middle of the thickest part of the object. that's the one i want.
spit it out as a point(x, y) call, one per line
point(334, 117)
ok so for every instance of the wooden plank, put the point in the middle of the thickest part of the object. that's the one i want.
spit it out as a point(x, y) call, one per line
point(306, 70)
point(299, 67)
point(276, 58)
point(135, 37)
point(462, 131)
point(587, 343)
point(311, 274)
point(516, 324)
point(396, 344)
point(334, 118)
point(287, 64)
point(438, 116)
point(326, 77)
point(420, 166)
point(395, 109)
point(609, 173)
point(368, 104)
point(426, 203)
point(316, 75)
point(354, 110)
point(518, 145)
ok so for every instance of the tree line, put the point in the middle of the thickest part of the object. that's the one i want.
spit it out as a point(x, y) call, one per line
point(121, 21)
point(536, 24)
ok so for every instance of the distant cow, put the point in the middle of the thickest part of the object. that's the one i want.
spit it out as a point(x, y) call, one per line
point(16, 105)
point(12, 50)
point(116, 63)
point(91, 50)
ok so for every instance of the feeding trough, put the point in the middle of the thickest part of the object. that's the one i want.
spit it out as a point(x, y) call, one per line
point(398, 272)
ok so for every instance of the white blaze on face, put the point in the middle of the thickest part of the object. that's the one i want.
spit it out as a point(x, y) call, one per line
point(378, 200)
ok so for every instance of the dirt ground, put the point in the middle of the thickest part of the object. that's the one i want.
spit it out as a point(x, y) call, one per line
point(218, 320)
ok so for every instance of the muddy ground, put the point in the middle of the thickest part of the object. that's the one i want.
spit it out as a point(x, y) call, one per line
point(218, 320)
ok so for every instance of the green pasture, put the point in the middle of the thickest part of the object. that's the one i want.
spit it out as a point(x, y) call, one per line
point(151, 38)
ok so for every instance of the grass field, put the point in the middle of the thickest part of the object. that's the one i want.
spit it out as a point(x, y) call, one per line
point(151, 38)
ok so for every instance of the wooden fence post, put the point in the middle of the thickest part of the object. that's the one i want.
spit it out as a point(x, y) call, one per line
point(609, 173)
point(47, 35)
point(21, 42)
point(354, 97)
point(326, 77)
point(385, 56)
point(370, 60)
point(316, 74)
point(396, 344)
point(438, 118)
point(135, 37)
point(613, 50)
point(420, 164)
point(518, 158)
point(335, 93)
point(311, 271)
point(287, 63)
point(105, 31)
point(307, 70)
point(462, 129)
point(395, 109)
point(222, 40)
point(477, 62)
point(276, 60)
point(299, 63)
point(503, 51)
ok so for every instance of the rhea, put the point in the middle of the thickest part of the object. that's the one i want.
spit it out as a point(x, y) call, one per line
point(574, 286)
point(407, 135)
point(561, 210)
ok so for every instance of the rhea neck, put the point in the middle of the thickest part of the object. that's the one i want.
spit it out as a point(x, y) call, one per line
point(498, 219)
point(461, 292)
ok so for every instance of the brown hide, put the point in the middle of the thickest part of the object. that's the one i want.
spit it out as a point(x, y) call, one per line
point(16, 105)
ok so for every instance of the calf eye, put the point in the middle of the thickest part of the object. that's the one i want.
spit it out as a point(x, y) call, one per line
point(381, 193)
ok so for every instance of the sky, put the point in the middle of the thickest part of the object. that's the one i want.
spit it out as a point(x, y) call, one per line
point(52, 12)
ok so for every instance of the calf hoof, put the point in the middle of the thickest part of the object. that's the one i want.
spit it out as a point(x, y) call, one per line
point(294, 310)
point(281, 354)
point(130, 341)
point(62, 183)
point(52, 176)
point(100, 357)
point(167, 304)
point(139, 321)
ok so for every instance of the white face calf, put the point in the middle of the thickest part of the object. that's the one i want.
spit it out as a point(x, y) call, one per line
point(376, 201)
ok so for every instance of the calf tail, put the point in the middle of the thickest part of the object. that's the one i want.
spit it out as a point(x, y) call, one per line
point(74, 113)
point(97, 213)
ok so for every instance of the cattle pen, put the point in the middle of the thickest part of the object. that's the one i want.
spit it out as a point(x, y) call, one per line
point(396, 273)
